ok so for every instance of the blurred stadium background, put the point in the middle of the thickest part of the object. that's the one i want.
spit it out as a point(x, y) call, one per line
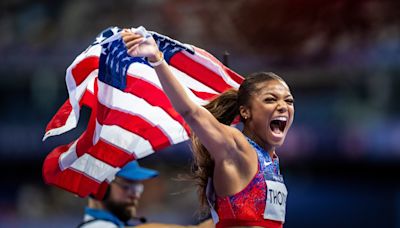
point(341, 58)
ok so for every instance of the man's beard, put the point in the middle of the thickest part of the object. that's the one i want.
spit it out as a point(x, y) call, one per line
point(120, 210)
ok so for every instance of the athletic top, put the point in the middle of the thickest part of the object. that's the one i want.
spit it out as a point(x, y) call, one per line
point(261, 203)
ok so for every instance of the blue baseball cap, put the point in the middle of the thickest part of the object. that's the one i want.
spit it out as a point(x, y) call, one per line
point(134, 172)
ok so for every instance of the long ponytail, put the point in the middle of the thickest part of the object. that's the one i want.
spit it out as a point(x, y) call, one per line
point(224, 108)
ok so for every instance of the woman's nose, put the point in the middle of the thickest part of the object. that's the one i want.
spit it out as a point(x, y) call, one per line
point(282, 106)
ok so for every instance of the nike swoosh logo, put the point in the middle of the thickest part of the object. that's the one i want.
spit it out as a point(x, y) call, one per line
point(267, 163)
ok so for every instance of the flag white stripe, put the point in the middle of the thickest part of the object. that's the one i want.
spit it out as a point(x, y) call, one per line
point(211, 65)
point(91, 51)
point(69, 124)
point(75, 95)
point(127, 141)
point(128, 103)
point(76, 92)
point(94, 168)
point(148, 74)
point(191, 82)
point(67, 158)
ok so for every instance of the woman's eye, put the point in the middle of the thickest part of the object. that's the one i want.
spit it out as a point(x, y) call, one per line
point(290, 101)
point(269, 100)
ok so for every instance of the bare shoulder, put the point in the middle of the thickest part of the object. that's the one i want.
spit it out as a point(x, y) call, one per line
point(233, 172)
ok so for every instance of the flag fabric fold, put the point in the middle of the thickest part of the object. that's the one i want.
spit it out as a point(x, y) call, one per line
point(131, 116)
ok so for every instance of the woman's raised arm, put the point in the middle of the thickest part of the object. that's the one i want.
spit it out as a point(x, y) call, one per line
point(214, 135)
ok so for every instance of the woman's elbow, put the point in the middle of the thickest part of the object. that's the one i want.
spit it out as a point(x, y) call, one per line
point(190, 115)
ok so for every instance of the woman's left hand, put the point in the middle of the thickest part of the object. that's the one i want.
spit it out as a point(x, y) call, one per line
point(138, 46)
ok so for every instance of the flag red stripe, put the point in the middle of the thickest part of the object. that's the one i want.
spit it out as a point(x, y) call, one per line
point(88, 99)
point(82, 69)
point(61, 116)
point(77, 182)
point(133, 123)
point(154, 96)
point(69, 179)
point(199, 72)
point(235, 76)
point(50, 165)
point(86, 139)
point(110, 154)
point(102, 189)
point(204, 95)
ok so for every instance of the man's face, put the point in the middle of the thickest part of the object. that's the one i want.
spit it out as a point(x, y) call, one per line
point(124, 198)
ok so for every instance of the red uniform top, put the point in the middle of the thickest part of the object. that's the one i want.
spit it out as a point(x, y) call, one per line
point(247, 207)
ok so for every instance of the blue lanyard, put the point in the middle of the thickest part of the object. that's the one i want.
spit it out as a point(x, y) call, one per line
point(103, 215)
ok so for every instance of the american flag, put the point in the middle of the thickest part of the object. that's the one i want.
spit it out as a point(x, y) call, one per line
point(131, 116)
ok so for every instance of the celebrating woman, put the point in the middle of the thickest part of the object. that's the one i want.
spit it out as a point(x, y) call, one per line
point(237, 171)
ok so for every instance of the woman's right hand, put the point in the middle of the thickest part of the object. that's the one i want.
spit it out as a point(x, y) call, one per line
point(138, 46)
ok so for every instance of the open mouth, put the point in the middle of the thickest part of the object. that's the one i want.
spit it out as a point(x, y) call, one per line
point(278, 124)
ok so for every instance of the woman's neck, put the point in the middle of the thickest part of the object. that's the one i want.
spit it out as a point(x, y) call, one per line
point(266, 146)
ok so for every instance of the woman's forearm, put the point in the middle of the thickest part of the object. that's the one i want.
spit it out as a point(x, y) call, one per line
point(175, 91)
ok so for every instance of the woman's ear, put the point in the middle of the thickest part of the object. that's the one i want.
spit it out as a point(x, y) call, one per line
point(244, 112)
